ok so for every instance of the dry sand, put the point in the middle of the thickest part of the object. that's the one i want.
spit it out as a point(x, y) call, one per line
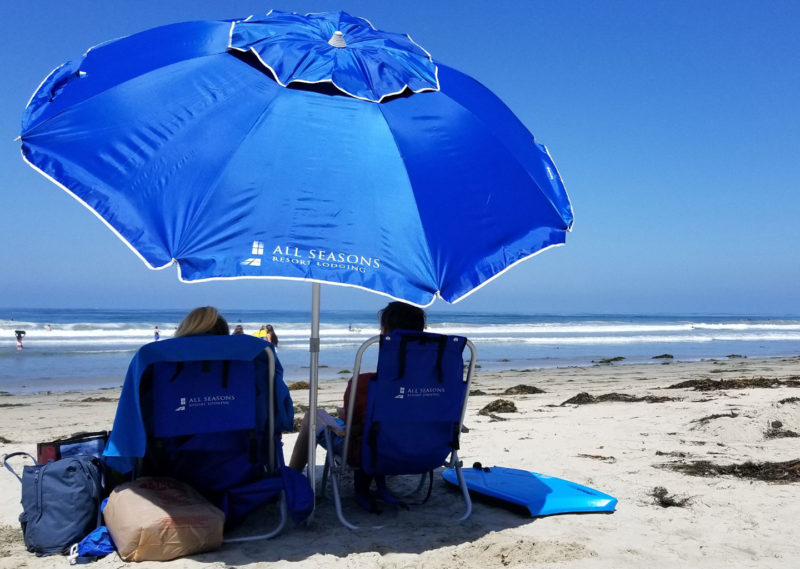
point(624, 448)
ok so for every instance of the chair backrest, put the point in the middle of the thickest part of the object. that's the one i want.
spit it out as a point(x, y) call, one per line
point(415, 403)
point(207, 416)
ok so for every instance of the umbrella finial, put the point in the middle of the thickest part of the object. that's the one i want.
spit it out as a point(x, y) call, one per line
point(337, 39)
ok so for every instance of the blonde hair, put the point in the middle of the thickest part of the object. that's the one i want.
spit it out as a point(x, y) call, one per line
point(203, 320)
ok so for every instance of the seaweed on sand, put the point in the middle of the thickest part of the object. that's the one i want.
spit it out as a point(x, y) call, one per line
point(584, 398)
point(744, 383)
point(609, 360)
point(600, 457)
point(704, 420)
point(788, 471)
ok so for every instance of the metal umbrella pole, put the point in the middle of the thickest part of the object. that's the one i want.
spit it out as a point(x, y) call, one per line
point(313, 380)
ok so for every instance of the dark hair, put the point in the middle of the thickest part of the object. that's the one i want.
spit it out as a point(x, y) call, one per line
point(401, 316)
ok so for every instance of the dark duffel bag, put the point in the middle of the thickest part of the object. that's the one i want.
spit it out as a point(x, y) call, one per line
point(60, 501)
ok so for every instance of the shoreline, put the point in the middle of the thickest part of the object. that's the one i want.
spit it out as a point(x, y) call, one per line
point(610, 363)
point(627, 447)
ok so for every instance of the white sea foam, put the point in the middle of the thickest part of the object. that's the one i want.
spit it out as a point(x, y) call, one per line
point(99, 344)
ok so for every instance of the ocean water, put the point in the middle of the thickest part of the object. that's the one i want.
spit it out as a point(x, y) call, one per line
point(77, 349)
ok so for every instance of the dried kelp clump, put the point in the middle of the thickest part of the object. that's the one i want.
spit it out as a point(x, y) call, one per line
point(523, 390)
point(662, 498)
point(776, 431)
point(498, 406)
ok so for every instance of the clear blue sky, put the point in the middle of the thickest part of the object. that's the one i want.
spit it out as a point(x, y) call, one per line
point(675, 125)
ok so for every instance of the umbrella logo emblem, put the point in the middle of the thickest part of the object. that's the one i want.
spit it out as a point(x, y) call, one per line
point(258, 249)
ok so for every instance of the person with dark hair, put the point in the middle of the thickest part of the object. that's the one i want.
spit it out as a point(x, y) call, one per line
point(395, 316)
point(272, 337)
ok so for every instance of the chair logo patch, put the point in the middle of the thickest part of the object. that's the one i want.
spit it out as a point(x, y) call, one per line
point(204, 401)
point(420, 392)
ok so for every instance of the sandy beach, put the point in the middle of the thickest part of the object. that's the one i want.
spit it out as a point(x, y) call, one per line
point(622, 429)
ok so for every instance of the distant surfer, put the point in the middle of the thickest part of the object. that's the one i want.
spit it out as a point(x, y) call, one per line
point(156, 334)
point(19, 334)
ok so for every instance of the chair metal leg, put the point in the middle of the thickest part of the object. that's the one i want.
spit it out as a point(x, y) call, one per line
point(325, 472)
point(284, 516)
point(335, 474)
point(463, 485)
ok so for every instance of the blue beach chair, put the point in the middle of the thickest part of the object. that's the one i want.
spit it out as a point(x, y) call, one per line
point(414, 414)
point(208, 410)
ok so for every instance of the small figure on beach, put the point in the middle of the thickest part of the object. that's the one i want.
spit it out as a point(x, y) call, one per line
point(272, 337)
point(49, 328)
point(203, 320)
point(156, 334)
point(19, 334)
point(238, 329)
point(262, 332)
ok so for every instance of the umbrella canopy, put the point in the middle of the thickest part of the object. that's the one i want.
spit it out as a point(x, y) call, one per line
point(298, 147)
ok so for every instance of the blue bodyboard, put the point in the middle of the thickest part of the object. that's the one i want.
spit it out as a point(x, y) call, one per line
point(543, 495)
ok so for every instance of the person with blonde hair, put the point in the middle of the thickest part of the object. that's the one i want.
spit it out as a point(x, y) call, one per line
point(203, 320)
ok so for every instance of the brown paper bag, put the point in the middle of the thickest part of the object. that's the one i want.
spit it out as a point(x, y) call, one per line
point(158, 519)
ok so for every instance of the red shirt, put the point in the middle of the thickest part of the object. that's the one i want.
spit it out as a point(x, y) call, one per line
point(360, 409)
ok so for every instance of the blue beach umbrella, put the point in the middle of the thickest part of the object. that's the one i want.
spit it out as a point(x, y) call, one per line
point(313, 148)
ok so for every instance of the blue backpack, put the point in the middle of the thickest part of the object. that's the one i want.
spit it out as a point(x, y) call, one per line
point(60, 501)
